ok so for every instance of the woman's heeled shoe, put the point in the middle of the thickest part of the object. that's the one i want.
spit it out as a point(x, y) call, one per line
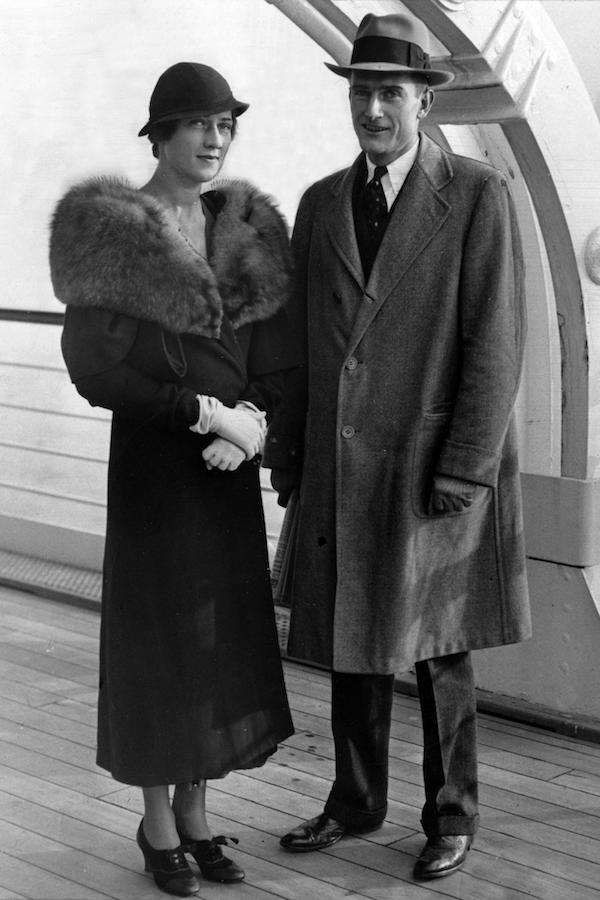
point(211, 862)
point(170, 868)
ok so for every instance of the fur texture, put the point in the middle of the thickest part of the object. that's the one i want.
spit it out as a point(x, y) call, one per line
point(250, 258)
point(113, 247)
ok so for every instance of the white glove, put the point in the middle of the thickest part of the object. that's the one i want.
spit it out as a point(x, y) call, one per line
point(244, 426)
point(208, 413)
point(223, 455)
point(259, 415)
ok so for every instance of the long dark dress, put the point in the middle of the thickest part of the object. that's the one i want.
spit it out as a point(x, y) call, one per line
point(191, 683)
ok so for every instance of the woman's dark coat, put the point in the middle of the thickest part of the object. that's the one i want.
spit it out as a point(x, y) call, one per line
point(412, 373)
point(191, 684)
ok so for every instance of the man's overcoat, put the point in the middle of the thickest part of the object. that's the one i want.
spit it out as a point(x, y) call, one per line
point(411, 373)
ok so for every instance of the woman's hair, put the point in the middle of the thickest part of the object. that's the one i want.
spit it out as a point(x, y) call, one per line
point(164, 131)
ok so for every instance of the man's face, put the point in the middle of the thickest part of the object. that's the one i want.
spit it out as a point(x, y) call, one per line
point(386, 111)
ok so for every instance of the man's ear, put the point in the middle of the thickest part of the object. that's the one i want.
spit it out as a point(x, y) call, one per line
point(426, 102)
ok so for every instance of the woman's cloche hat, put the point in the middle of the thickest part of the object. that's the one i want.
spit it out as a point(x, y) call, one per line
point(189, 88)
point(394, 43)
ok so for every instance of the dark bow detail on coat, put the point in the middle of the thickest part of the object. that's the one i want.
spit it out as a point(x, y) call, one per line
point(114, 247)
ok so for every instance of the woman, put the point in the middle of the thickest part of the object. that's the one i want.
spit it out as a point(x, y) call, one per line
point(175, 322)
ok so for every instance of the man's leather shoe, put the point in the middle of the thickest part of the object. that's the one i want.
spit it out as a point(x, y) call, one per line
point(442, 855)
point(315, 834)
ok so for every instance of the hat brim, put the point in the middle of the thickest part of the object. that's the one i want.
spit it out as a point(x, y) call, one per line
point(237, 108)
point(433, 76)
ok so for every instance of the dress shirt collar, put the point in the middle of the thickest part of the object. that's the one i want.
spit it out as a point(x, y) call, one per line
point(397, 172)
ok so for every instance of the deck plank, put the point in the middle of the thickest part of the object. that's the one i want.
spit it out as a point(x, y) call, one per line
point(64, 687)
point(47, 664)
point(312, 698)
point(49, 722)
point(581, 781)
point(27, 694)
point(18, 874)
point(406, 710)
point(55, 746)
point(52, 630)
point(6, 894)
point(37, 609)
point(410, 751)
point(527, 785)
point(67, 830)
point(57, 771)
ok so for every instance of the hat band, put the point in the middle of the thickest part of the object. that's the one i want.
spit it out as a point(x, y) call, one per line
point(379, 49)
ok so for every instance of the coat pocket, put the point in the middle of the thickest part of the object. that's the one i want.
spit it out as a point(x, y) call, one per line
point(427, 445)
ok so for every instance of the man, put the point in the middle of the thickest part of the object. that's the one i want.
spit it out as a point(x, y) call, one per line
point(409, 548)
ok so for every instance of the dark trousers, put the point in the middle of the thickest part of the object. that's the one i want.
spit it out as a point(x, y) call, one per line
point(361, 707)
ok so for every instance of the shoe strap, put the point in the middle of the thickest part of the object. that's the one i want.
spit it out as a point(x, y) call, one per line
point(210, 849)
point(224, 841)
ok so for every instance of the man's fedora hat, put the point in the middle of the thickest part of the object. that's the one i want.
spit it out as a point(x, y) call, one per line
point(394, 43)
point(187, 89)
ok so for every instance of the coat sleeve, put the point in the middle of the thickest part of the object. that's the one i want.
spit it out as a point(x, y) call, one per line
point(285, 438)
point(271, 353)
point(492, 331)
point(95, 345)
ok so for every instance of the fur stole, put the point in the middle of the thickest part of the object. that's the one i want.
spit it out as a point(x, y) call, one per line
point(114, 247)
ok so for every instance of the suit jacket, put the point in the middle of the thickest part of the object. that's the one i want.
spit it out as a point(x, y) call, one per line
point(412, 372)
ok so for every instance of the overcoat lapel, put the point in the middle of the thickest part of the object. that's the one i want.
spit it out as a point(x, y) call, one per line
point(340, 223)
point(418, 214)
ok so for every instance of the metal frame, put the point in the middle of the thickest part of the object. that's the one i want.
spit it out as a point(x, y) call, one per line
point(31, 316)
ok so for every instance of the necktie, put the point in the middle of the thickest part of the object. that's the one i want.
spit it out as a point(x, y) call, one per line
point(370, 216)
point(375, 204)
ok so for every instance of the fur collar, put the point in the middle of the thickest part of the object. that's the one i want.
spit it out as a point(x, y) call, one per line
point(113, 247)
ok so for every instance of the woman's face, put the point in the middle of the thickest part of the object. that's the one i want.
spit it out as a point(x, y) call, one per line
point(197, 149)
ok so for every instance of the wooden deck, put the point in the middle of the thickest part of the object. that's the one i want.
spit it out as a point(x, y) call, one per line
point(67, 829)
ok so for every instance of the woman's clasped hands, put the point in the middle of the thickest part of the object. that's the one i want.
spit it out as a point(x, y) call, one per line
point(240, 432)
point(222, 454)
point(244, 426)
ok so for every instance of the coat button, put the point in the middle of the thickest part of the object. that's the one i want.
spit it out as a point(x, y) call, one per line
point(351, 364)
point(348, 431)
